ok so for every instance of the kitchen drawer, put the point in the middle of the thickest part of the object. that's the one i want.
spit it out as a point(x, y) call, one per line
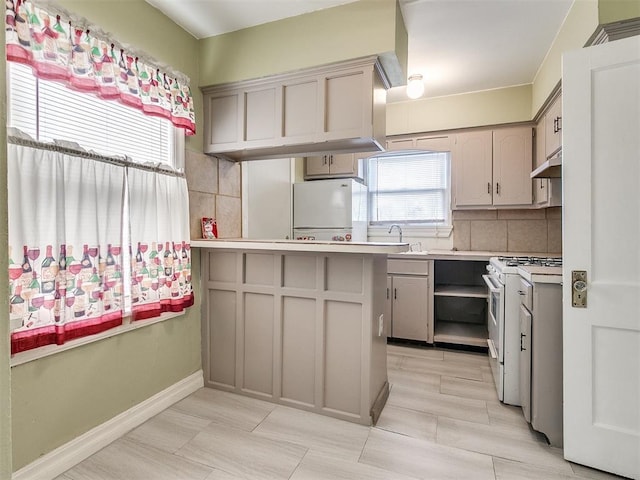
point(408, 267)
point(525, 290)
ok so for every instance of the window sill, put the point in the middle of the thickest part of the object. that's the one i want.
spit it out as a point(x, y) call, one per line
point(127, 326)
point(415, 231)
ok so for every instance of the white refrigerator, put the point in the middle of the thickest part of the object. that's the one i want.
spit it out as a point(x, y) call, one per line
point(333, 210)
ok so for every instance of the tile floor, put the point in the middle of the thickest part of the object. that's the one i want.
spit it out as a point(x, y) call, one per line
point(443, 420)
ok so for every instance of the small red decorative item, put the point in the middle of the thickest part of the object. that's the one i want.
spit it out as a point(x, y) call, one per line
point(209, 228)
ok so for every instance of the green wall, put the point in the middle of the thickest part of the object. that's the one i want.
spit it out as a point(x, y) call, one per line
point(615, 10)
point(326, 36)
point(579, 25)
point(61, 396)
point(489, 107)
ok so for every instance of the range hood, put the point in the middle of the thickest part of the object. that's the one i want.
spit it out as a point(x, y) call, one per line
point(552, 168)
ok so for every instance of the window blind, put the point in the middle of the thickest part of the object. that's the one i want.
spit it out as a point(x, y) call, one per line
point(48, 111)
point(410, 189)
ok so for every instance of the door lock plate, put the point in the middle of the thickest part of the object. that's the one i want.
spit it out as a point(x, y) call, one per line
point(579, 288)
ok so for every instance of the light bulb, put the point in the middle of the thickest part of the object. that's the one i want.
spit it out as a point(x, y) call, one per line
point(415, 86)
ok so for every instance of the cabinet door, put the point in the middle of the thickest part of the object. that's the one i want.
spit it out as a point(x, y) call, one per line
point(553, 127)
point(472, 169)
point(387, 307)
point(410, 308)
point(540, 153)
point(525, 362)
point(262, 116)
point(512, 165)
point(434, 144)
point(223, 122)
point(400, 144)
point(345, 104)
point(540, 191)
point(300, 109)
point(343, 163)
point(317, 165)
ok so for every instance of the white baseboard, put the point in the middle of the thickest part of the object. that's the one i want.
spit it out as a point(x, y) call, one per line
point(61, 459)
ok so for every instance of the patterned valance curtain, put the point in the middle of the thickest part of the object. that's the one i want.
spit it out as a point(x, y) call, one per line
point(62, 49)
point(74, 269)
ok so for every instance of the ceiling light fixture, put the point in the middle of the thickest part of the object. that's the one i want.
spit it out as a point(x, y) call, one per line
point(415, 86)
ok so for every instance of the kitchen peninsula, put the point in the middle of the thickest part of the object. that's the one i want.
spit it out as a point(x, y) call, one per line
point(299, 323)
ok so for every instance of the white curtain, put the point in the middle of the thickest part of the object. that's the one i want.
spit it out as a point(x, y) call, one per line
point(161, 256)
point(65, 238)
point(73, 219)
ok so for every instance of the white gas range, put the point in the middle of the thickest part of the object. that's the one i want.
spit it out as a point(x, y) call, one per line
point(503, 280)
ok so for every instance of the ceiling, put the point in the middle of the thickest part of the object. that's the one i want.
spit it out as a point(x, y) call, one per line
point(457, 45)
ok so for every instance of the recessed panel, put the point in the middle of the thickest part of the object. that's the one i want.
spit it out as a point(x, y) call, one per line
point(343, 357)
point(300, 271)
point(222, 337)
point(344, 273)
point(615, 150)
point(222, 267)
point(260, 115)
point(616, 379)
point(345, 102)
point(259, 268)
point(300, 108)
point(223, 119)
point(258, 343)
point(298, 349)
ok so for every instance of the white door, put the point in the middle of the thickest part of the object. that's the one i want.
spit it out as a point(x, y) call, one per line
point(267, 198)
point(601, 176)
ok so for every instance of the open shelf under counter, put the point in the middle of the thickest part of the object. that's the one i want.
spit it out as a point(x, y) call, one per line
point(474, 291)
point(461, 333)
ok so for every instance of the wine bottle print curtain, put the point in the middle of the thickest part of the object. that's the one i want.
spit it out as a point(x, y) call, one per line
point(68, 276)
point(161, 259)
point(60, 49)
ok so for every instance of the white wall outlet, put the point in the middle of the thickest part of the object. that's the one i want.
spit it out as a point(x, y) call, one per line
point(381, 325)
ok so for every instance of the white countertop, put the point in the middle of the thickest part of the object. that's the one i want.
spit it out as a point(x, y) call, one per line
point(303, 246)
point(465, 255)
point(536, 274)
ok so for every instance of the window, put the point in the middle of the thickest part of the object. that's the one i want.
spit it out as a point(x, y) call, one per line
point(48, 111)
point(410, 188)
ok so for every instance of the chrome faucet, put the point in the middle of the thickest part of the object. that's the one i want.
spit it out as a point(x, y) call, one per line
point(399, 231)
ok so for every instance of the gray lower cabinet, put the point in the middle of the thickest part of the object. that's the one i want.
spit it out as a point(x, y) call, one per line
point(409, 303)
point(299, 329)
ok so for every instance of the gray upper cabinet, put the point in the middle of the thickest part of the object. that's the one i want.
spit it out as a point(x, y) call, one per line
point(339, 165)
point(333, 109)
point(431, 143)
point(492, 168)
point(553, 127)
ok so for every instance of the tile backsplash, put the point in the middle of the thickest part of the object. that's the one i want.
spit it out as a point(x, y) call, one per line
point(525, 231)
point(214, 191)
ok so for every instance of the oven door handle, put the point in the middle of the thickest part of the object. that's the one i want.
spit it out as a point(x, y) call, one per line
point(490, 284)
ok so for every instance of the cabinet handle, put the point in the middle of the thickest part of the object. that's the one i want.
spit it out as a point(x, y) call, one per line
point(522, 349)
point(557, 124)
point(387, 293)
point(324, 160)
point(498, 188)
point(489, 188)
point(330, 159)
point(395, 293)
